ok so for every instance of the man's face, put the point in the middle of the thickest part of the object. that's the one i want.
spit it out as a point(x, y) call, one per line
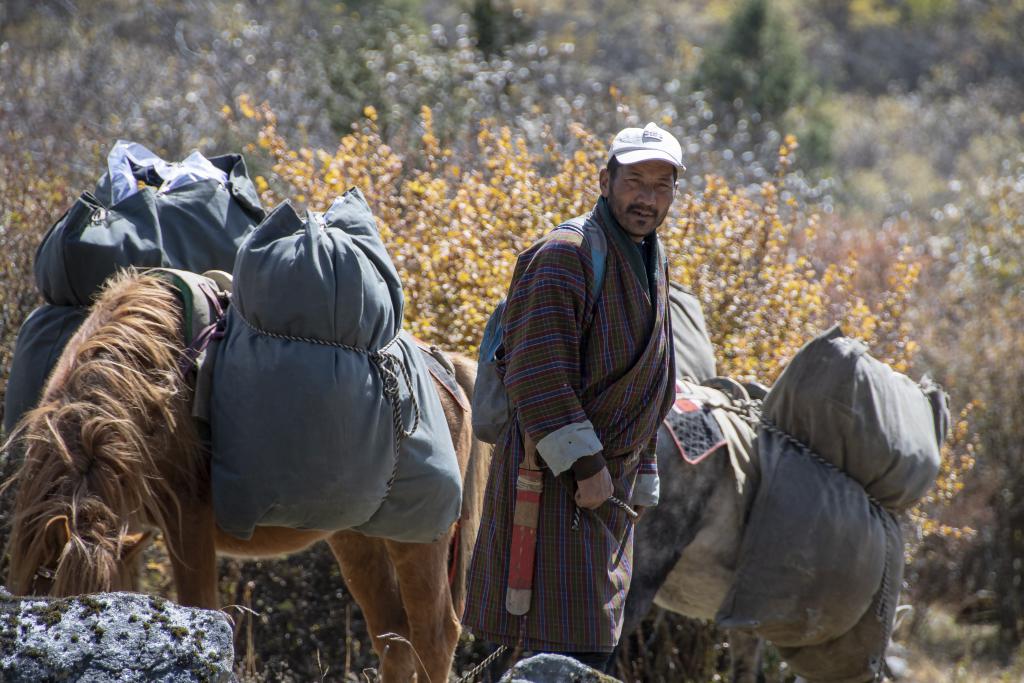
point(640, 195)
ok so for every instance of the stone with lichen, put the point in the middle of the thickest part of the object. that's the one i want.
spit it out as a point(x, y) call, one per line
point(112, 636)
point(547, 668)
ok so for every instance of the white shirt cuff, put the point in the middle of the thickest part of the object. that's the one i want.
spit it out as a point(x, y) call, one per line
point(647, 490)
point(564, 446)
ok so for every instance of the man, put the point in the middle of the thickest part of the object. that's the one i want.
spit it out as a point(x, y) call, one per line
point(589, 379)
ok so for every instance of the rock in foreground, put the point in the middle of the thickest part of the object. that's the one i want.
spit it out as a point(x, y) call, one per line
point(112, 636)
point(554, 669)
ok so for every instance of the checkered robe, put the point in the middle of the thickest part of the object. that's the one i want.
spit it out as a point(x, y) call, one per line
point(571, 361)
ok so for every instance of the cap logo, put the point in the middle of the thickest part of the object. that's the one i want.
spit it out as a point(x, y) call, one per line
point(652, 136)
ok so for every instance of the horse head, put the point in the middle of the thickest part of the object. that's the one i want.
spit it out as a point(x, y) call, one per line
point(107, 449)
point(66, 562)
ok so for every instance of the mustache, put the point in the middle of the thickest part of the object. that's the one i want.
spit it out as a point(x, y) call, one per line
point(641, 209)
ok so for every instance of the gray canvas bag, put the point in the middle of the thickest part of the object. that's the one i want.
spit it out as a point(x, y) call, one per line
point(859, 654)
point(695, 355)
point(877, 425)
point(812, 554)
point(196, 225)
point(844, 442)
point(303, 432)
point(42, 337)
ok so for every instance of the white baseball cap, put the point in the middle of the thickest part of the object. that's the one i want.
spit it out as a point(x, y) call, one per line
point(633, 145)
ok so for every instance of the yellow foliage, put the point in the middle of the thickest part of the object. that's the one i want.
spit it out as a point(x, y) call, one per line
point(245, 107)
point(866, 14)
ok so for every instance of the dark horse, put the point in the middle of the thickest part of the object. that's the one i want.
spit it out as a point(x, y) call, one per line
point(684, 547)
point(112, 453)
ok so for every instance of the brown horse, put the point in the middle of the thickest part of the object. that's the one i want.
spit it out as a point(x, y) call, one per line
point(112, 453)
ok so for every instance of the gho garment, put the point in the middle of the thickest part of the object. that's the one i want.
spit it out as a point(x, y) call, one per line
point(583, 376)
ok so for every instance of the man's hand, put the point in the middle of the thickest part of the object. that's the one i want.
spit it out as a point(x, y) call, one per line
point(593, 491)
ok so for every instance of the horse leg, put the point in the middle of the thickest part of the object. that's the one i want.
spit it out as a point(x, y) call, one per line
point(371, 579)
point(745, 654)
point(190, 544)
point(423, 579)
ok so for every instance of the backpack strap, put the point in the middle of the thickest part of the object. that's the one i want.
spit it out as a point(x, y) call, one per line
point(593, 235)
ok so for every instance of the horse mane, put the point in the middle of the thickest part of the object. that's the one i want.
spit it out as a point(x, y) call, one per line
point(110, 444)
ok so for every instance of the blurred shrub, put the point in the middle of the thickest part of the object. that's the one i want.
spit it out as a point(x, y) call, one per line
point(497, 25)
point(757, 61)
point(756, 70)
point(32, 197)
point(155, 72)
point(158, 74)
point(905, 156)
point(972, 324)
point(877, 45)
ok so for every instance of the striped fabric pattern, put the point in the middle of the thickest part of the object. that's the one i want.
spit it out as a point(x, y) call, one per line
point(618, 374)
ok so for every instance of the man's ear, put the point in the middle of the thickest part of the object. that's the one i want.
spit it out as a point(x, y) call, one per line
point(604, 181)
